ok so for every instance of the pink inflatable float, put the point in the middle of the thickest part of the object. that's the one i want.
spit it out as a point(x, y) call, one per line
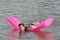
point(14, 22)
point(44, 24)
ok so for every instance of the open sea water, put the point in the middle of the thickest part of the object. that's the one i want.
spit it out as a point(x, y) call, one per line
point(29, 11)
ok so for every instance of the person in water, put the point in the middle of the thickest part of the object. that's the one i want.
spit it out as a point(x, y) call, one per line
point(23, 28)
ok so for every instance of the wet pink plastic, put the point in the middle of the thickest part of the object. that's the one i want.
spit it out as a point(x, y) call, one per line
point(14, 22)
point(44, 24)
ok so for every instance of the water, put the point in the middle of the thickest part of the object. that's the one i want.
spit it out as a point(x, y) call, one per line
point(29, 11)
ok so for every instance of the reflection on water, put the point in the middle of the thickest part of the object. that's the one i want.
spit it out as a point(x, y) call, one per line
point(21, 34)
point(43, 35)
point(13, 35)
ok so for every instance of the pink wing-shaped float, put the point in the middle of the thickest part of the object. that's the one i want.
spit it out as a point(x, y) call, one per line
point(44, 24)
point(14, 22)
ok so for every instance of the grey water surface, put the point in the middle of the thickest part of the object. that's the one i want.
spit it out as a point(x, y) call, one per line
point(29, 11)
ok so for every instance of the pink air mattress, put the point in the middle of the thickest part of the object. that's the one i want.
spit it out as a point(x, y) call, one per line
point(44, 24)
point(14, 22)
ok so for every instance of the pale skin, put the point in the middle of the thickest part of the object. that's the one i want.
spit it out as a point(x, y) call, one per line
point(22, 28)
